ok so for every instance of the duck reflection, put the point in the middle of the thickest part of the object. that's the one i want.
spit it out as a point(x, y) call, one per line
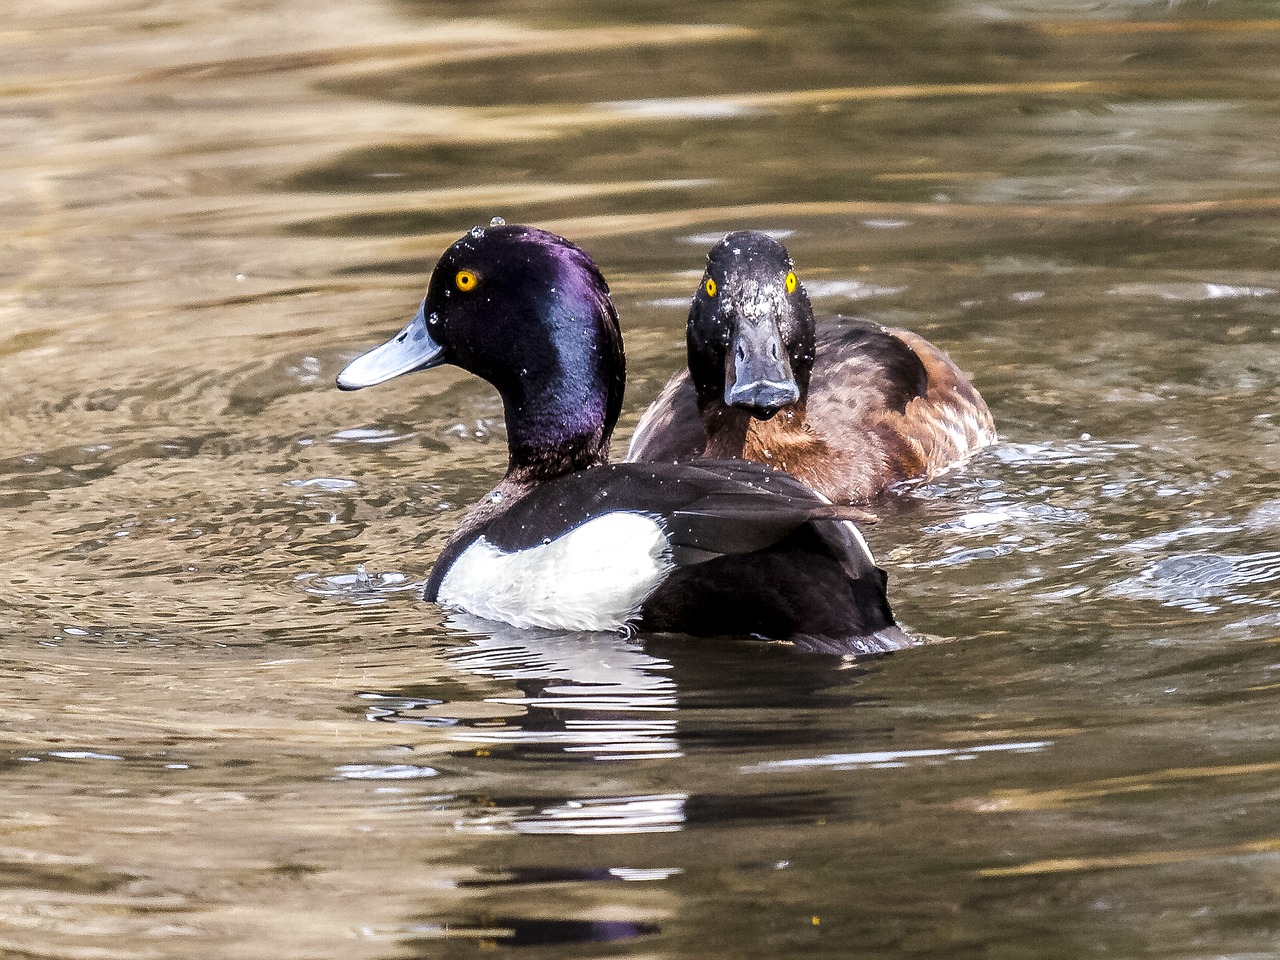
point(612, 697)
point(570, 850)
point(492, 932)
point(597, 695)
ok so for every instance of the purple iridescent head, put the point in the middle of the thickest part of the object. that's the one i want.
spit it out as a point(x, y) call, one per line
point(529, 312)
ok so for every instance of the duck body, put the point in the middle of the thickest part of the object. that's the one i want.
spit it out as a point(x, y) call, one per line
point(717, 548)
point(567, 540)
point(847, 406)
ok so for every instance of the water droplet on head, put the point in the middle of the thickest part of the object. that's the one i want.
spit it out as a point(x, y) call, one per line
point(497, 222)
point(477, 233)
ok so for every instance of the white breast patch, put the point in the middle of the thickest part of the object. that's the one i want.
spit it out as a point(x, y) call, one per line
point(592, 578)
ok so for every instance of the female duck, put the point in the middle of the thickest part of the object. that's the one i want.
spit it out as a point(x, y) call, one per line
point(850, 408)
point(568, 541)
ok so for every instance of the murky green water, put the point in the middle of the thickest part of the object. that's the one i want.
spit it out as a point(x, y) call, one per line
point(230, 728)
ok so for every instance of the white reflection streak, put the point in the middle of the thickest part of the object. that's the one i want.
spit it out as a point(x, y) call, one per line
point(661, 813)
point(1192, 292)
point(652, 813)
point(895, 758)
point(621, 739)
point(606, 701)
point(645, 873)
point(689, 108)
point(591, 674)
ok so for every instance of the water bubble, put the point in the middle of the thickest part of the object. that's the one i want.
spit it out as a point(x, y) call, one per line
point(324, 483)
point(370, 435)
point(359, 587)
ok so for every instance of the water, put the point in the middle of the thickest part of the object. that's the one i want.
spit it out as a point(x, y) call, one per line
point(230, 728)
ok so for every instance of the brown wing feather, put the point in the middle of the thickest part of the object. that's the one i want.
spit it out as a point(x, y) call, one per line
point(883, 406)
point(951, 420)
point(890, 407)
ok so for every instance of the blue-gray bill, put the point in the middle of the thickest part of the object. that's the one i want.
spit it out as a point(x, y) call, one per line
point(411, 349)
point(758, 373)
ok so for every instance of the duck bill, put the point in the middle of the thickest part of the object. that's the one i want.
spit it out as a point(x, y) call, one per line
point(758, 374)
point(411, 349)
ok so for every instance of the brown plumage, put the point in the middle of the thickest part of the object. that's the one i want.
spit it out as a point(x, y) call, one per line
point(851, 408)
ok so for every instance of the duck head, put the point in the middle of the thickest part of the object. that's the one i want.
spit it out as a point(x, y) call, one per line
point(529, 312)
point(751, 328)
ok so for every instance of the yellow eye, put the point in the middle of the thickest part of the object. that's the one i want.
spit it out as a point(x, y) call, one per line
point(465, 280)
point(710, 287)
point(791, 282)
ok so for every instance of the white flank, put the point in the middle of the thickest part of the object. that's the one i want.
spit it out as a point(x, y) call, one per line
point(592, 578)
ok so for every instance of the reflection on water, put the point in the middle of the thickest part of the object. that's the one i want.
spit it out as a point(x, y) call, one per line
point(662, 813)
point(520, 932)
point(1201, 582)
point(596, 674)
point(597, 695)
point(230, 726)
point(532, 875)
point(360, 587)
point(896, 758)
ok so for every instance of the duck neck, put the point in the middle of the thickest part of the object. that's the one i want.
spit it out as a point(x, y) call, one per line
point(731, 432)
point(726, 429)
point(562, 426)
point(529, 463)
point(563, 394)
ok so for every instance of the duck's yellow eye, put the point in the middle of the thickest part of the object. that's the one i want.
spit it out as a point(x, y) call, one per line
point(710, 287)
point(791, 281)
point(465, 280)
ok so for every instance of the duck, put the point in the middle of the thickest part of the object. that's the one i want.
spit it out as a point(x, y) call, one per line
point(567, 539)
point(851, 408)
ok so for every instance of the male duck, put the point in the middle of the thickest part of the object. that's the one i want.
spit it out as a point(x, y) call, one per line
point(568, 541)
point(849, 408)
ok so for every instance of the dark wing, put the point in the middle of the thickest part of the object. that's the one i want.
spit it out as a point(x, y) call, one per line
point(868, 364)
point(952, 403)
point(671, 428)
point(709, 507)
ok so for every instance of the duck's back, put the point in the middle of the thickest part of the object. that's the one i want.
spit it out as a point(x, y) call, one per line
point(888, 406)
point(883, 406)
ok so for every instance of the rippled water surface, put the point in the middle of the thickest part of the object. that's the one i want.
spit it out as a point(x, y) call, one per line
point(230, 728)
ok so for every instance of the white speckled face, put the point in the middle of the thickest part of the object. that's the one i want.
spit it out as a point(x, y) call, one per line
point(593, 578)
point(750, 327)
